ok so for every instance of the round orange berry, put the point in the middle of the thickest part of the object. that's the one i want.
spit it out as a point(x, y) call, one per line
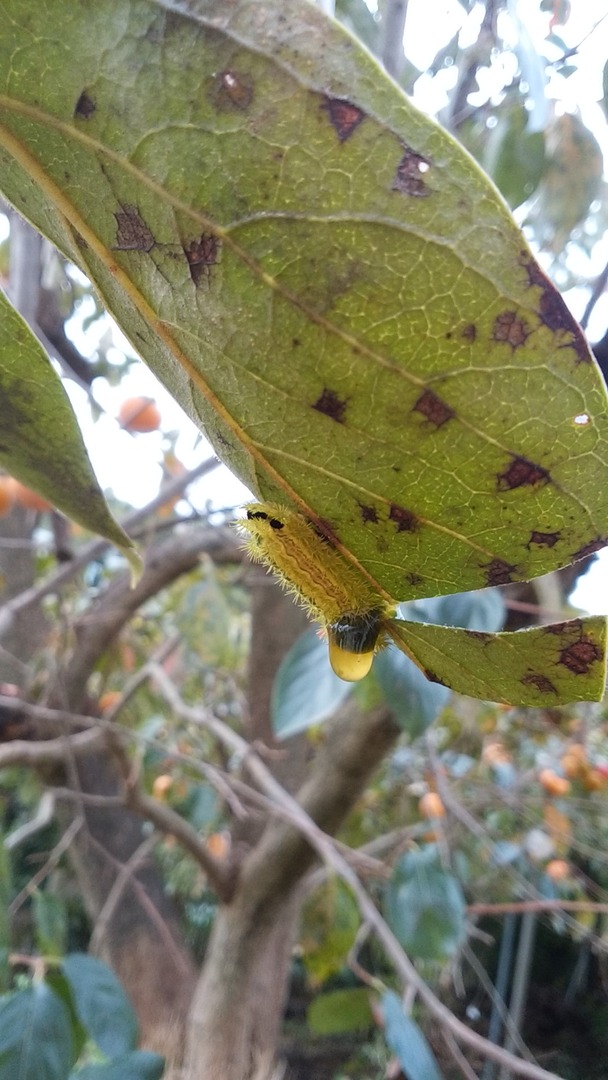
point(139, 414)
point(431, 805)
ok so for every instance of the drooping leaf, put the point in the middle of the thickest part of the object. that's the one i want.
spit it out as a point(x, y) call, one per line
point(330, 922)
point(340, 1011)
point(514, 156)
point(50, 922)
point(425, 906)
point(138, 1065)
point(540, 666)
point(321, 276)
point(305, 690)
point(407, 1042)
point(101, 1004)
point(40, 441)
point(35, 1036)
point(571, 181)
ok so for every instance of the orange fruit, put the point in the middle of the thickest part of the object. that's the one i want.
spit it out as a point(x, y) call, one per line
point(557, 869)
point(431, 805)
point(218, 845)
point(495, 753)
point(552, 783)
point(109, 699)
point(162, 786)
point(593, 780)
point(574, 761)
point(139, 414)
point(31, 500)
point(7, 496)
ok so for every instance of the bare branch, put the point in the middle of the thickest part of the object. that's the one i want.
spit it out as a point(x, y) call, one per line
point(126, 872)
point(61, 577)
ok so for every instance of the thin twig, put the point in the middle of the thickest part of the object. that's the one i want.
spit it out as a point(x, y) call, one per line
point(60, 847)
point(458, 1055)
point(126, 872)
point(599, 286)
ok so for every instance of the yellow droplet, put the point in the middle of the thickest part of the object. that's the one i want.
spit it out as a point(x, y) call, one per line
point(350, 666)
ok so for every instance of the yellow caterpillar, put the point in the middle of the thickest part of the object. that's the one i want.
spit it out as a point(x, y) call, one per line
point(331, 590)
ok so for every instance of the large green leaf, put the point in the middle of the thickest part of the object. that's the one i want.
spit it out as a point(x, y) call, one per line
point(101, 1004)
point(425, 906)
point(40, 441)
point(324, 279)
point(407, 1041)
point(35, 1036)
point(340, 1011)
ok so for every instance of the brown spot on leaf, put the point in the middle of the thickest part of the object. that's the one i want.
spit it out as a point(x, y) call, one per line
point(433, 408)
point(544, 539)
point(202, 254)
point(368, 514)
point(480, 635)
point(132, 233)
point(85, 106)
point(540, 682)
point(233, 90)
point(331, 405)
point(521, 472)
point(404, 519)
point(409, 175)
point(344, 116)
point(579, 656)
point(508, 327)
point(499, 572)
point(589, 548)
point(469, 332)
point(414, 579)
point(559, 628)
point(432, 677)
point(553, 311)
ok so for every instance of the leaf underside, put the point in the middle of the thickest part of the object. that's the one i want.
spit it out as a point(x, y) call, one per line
point(40, 441)
point(542, 666)
point(321, 276)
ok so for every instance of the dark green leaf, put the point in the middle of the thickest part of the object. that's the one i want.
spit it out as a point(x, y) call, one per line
point(102, 1006)
point(58, 983)
point(340, 1011)
point(515, 156)
point(330, 922)
point(425, 906)
point(50, 923)
point(35, 1036)
point(40, 441)
point(407, 1042)
point(414, 701)
point(305, 690)
point(138, 1065)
